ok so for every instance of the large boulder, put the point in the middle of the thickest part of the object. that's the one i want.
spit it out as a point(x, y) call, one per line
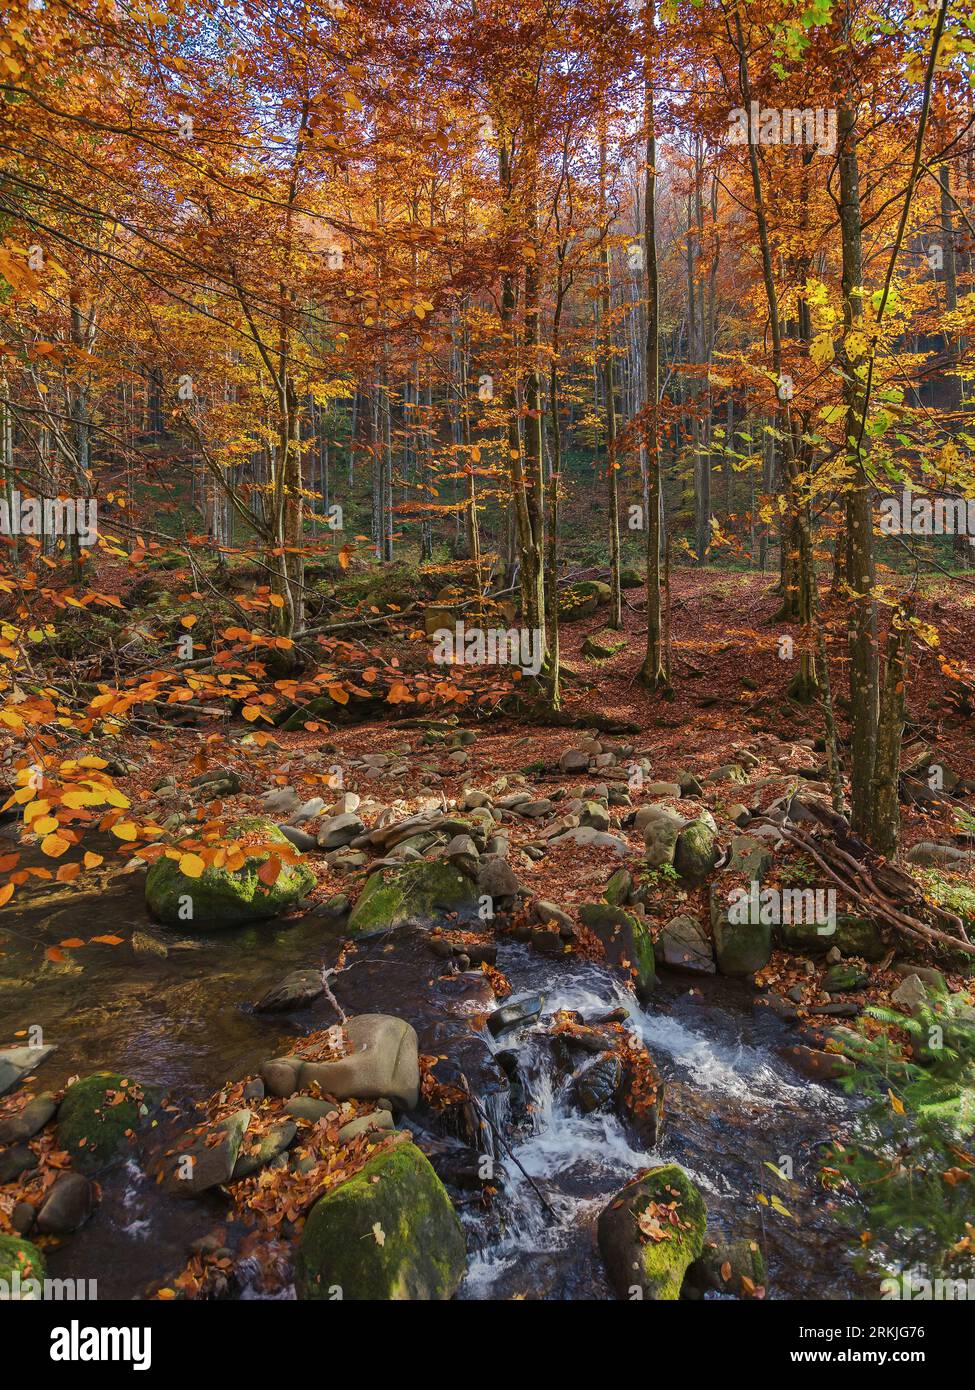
point(650, 1232)
point(420, 892)
point(696, 851)
point(21, 1269)
point(853, 936)
point(626, 942)
point(210, 1160)
point(389, 1233)
point(383, 1060)
point(222, 898)
point(684, 945)
point(742, 941)
point(97, 1117)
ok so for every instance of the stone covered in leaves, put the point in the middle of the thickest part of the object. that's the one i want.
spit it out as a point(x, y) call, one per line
point(419, 892)
point(222, 898)
point(97, 1116)
point(389, 1233)
point(650, 1232)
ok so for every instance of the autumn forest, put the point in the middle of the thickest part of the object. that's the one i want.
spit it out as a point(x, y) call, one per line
point(487, 602)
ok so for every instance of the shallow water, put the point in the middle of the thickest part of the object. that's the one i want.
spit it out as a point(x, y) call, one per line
point(185, 1023)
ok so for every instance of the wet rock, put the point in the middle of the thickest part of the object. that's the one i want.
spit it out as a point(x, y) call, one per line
point(742, 941)
point(597, 1085)
point(635, 1260)
point(729, 1267)
point(22, 1268)
point(26, 1122)
point(334, 908)
point(18, 1062)
point(209, 1160)
point(68, 1206)
point(97, 1117)
point(696, 851)
point(515, 1014)
point(22, 1218)
point(293, 992)
point(14, 1161)
point(626, 942)
point(221, 898)
point(684, 945)
point(819, 1066)
point(389, 1233)
point(143, 943)
point(420, 892)
point(277, 1140)
point(383, 1060)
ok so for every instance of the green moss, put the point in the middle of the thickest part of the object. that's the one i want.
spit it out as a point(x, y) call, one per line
point(424, 891)
point(388, 1234)
point(696, 852)
point(854, 936)
point(92, 1124)
point(626, 942)
point(633, 1260)
point(19, 1257)
point(219, 898)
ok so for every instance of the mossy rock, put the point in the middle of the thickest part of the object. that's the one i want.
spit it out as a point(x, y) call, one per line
point(696, 851)
point(388, 1234)
point(220, 898)
point(632, 578)
point(94, 1124)
point(602, 648)
point(742, 941)
point(423, 891)
point(635, 1261)
point(19, 1258)
point(854, 936)
point(618, 889)
point(626, 941)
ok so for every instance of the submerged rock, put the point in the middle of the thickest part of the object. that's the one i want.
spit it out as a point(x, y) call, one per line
point(643, 1248)
point(419, 892)
point(293, 992)
point(221, 898)
point(514, 1015)
point(97, 1117)
point(388, 1234)
point(597, 1085)
point(18, 1062)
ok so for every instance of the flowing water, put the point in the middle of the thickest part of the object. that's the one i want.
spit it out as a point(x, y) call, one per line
point(185, 1022)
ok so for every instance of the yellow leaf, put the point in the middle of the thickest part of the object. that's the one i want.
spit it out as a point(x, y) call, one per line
point(124, 830)
point(191, 865)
